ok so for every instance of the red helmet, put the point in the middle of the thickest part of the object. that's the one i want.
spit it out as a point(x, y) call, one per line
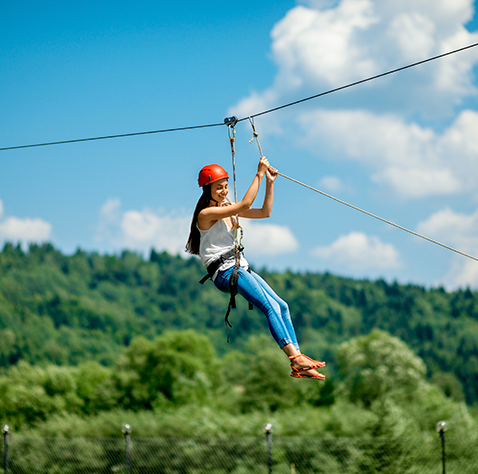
point(211, 173)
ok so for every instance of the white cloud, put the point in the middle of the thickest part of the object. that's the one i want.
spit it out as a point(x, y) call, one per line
point(331, 183)
point(111, 210)
point(413, 33)
point(267, 239)
point(146, 229)
point(462, 274)
point(457, 228)
point(414, 161)
point(142, 230)
point(319, 47)
point(14, 229)
point(359, 251)
point(310, 44)
point(328, 44)
point(162, 231)
point(460, 231)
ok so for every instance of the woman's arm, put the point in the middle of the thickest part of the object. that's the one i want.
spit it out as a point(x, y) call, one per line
point(266, 209)
point(211, 214)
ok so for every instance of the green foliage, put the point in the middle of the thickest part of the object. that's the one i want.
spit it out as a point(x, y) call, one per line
point(94, 401)
point(88, 342)
point(178, 367)
point(31, 394)
point(379, 365)
point(67, 310)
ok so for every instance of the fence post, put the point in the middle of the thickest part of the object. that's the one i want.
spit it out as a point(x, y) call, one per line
point(127, 430)
point(5, 431)
point(441, 427)
point(268, 432)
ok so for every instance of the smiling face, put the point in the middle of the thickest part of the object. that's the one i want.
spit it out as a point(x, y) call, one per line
point(219, 191)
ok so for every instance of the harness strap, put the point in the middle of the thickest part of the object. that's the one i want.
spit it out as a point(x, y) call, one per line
point(233, 289)
point(214, 265)
point(211, 270)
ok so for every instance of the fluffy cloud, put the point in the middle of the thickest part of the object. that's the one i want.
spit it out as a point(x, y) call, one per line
point(267, 239)
point(460, 231)
point(142, 230)
point(414, 161)
point(312, 45)
point(14, 229)
point(326, 46)
point(409, 132)
point(359, 251)
point(146, 229)
point(331, 183)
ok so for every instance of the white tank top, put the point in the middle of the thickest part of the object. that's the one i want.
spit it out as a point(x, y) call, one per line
point(214, 242)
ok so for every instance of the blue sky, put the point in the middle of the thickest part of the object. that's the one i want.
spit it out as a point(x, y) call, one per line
point(403, 147)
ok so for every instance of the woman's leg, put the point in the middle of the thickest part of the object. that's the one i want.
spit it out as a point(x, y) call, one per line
point(284, 308)
point(256, 290)
point(275, 309)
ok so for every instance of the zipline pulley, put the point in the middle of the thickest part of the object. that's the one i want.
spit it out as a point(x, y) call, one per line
point(231, 121)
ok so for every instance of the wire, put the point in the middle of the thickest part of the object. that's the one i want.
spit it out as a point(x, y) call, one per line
point(379, 218)
point(362, 81)
point(245, 118)
point(112, 136)
point(256, 137)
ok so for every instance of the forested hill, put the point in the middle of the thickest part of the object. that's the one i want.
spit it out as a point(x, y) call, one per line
point(68, 309)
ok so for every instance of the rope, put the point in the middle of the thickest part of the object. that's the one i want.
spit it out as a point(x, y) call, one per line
point(256, 137)
point(379, 218)
point(231, 122)
point(232, 139)
point(245, 118)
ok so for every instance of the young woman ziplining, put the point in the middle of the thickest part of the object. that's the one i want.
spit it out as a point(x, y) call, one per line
point(212, 237)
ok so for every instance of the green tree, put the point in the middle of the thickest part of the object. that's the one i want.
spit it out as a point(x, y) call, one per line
point(178, 367)
point(379, 365)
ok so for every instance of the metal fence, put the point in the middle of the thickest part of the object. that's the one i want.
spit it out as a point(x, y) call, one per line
point(285, 455)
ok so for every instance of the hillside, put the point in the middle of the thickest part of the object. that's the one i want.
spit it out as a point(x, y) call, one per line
point(67, 310)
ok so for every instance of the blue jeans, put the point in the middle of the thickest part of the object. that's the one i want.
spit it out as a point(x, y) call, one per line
point(255, 290)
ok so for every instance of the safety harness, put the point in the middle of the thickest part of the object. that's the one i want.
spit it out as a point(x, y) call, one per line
point(212, 268)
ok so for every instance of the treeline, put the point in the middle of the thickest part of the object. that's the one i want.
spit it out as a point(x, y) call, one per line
point(175, 386)
point(69, 310)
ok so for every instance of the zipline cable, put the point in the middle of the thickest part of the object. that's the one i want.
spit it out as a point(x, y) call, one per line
point(244, 118)
point(76, 140)
point(256, 137)
point(379, 218)
point(362, 81)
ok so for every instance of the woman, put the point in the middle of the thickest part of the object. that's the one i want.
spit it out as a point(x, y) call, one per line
point(212, 237)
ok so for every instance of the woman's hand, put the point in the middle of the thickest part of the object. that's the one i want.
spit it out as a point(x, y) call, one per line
point(271, 174)
point(263, 166)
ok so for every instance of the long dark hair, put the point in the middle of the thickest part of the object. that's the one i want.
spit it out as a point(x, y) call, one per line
point(192, 245)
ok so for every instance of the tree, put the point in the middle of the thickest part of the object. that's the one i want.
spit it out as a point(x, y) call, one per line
point(379, 365)
point(178, 367)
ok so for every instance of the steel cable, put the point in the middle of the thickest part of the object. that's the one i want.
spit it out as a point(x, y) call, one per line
point(244, 118)
point(379, 218)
